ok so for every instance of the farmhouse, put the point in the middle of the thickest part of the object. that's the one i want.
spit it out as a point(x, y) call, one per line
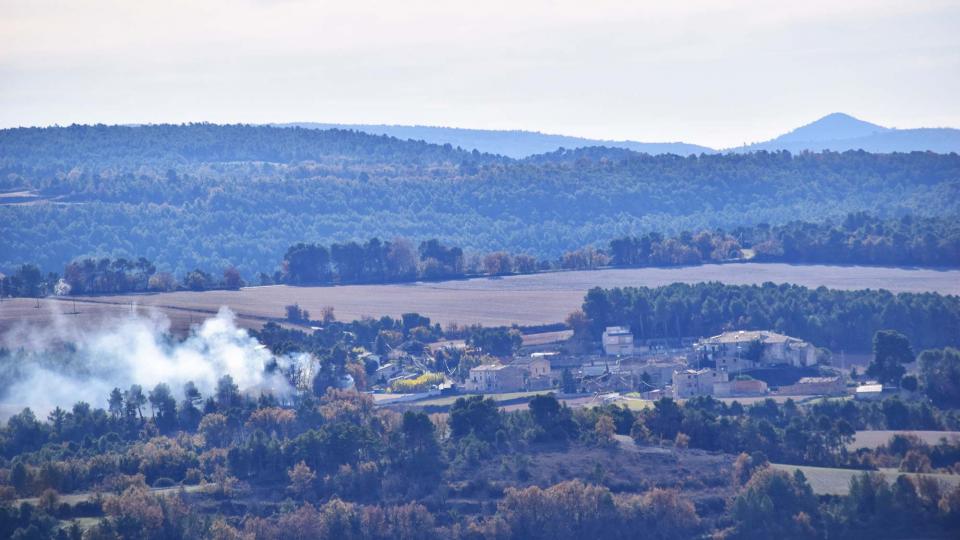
point(387, 371)
point(816, 386)
point(691, 383)
point(658, 373)
point(617, 340)
point(527, 373)
point(740, 388)
point(730, 349)
point(535, 370)
point(606, 379)
point(494, 378)
point(561, 362)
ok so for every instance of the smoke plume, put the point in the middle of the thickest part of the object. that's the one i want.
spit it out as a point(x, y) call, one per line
point(60, 364)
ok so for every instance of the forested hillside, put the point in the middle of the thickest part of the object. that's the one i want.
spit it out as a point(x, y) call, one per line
point(206, 196)
point(514, 143)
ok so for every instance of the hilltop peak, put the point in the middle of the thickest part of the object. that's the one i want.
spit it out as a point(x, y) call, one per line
point(832, 127)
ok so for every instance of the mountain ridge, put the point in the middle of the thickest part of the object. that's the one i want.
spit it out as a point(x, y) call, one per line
point(837, 132)
point(517, 144)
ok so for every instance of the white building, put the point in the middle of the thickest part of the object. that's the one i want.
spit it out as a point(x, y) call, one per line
point(617, 340)
point(868, 392)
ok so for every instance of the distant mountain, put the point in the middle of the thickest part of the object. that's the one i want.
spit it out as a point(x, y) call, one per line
point(840, 132)
point(832, 127)
point(837, 132)
point(515, 144)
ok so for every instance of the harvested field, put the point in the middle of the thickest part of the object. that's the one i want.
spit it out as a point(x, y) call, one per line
point(875, 438)
point(442, 403)
point(74, 498)
point(511, 401)
point(526, 300)
point(830, 481)
point(546, 338)
point(86, 314)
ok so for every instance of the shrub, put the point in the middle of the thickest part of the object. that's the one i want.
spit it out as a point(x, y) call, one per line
point(419, 384)
point(164, 482)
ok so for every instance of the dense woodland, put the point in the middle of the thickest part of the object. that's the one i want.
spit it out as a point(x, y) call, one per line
point(336, 467)
point(835, 319)
point(859, 239)
point(208, 197)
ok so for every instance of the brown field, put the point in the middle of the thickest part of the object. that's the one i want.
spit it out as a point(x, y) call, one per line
point(527, 300)
point(87, 314)
point(829, 481)
point(875, 438)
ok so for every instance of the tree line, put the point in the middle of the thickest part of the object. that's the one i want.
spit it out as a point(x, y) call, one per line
point(859, 239)
point(373, 261)
point(111, 276)
point(835, 319)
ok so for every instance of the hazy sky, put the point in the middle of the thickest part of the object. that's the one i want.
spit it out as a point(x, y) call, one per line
point(719, 73)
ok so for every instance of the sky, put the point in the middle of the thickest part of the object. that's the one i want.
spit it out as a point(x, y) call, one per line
point(715, 73)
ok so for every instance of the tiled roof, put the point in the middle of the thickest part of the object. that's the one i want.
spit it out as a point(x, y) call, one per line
point(743, 336)
point(616, 330)
point(815, 380)
point(489, 367)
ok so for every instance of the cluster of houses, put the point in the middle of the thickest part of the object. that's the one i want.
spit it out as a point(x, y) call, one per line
point(709, 367)
point(726, 365)
point(656, 370)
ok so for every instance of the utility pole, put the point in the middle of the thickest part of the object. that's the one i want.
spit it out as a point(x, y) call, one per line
point(739, 363)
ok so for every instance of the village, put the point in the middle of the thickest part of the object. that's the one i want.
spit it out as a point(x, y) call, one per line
point(743, 364)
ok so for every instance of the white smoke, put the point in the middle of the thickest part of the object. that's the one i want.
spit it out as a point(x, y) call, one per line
point(61, 364)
